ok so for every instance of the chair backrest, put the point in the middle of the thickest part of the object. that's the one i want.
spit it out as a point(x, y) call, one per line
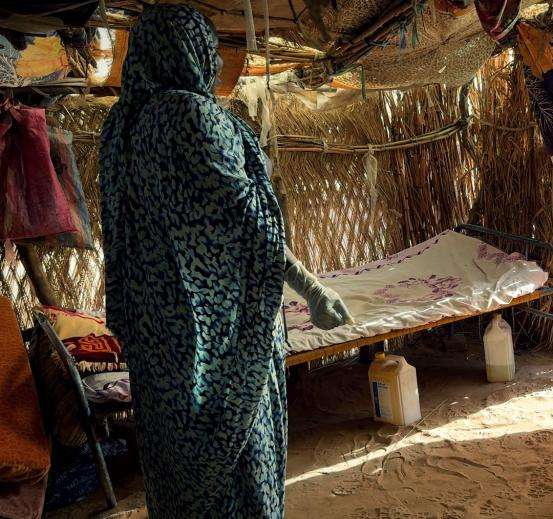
point(59, 383)
point(66, 357)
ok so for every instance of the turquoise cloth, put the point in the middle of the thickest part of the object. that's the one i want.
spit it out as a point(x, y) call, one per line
point(194, 254)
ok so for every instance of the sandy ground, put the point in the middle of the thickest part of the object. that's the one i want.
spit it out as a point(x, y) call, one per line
point(481, 450)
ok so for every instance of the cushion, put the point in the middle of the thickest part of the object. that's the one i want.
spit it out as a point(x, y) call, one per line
point(87, 338)
point(24, 449)
point(73, 323)
point(92, 348)
point(108, 387)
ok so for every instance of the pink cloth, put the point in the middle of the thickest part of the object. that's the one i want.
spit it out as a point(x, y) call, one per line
point(33, 202)
point(498, 17)
point(22, 500)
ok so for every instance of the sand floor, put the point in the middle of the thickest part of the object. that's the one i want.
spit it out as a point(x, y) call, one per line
point(481, 450)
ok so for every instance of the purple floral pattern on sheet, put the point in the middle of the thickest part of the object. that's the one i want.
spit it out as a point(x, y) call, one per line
point(497, 256)
point(293, 307)
point(429, 289)
point(299, 309)
point(305, 327)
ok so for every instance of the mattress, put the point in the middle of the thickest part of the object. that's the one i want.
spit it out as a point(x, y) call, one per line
point(449, 275)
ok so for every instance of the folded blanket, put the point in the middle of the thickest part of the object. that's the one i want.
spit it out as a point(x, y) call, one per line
point(24, 450)
point(108, 387)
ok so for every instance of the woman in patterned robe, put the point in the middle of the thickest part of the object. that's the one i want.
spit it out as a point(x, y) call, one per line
point(195, 266)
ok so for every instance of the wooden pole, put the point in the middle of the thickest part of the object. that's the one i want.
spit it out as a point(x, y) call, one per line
point(35, 271)
point(282, 198)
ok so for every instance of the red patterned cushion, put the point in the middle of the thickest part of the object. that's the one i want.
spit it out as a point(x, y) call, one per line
point(93, 348)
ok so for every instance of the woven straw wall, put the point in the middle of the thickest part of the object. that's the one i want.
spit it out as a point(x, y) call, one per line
point(76, 275)
point(516, 175)
point(335, 216)
point(336, 220)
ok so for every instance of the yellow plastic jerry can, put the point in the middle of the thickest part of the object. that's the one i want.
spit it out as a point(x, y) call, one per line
point(394, 390)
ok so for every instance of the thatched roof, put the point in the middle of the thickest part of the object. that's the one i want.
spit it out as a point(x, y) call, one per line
point(381, 43)
point(397, 43)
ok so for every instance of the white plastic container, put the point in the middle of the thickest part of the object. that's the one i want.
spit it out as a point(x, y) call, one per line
point(499, 352)
point(394, 390)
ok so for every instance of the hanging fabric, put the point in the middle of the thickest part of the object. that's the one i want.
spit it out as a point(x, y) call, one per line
point(10, 253)
point(33, 202)
point(498, 17)
point(370, 165)
point(254, 91)
point(534, 46)
point(63, 159)
point(65, 165)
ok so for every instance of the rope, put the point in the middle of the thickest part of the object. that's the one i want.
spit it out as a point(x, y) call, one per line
point(505, 128)
point(307, 144)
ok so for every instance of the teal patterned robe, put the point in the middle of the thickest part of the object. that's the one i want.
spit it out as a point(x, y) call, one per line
point(194, 255)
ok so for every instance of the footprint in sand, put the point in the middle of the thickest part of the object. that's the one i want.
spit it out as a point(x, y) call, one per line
point(394, 513)
point(388, 434)
point(340, 490)
point(453, 514)
point(537, 438)
point(489, 509)
point(541, 482)
point(348, 488)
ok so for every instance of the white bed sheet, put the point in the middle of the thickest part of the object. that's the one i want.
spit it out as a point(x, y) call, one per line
point(449, 275)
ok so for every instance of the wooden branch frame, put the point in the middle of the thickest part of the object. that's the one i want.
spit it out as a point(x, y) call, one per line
point(309, 144)
point(37, 276)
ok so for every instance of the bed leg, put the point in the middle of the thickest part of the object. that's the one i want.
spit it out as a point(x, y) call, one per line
point(450, 330)
point(297, 373)
point(297, 382)
point(366, 354)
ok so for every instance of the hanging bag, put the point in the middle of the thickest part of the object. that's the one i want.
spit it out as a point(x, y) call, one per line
point(32, 201)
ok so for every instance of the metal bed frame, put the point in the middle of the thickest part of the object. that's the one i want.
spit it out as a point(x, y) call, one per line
point(529, 243)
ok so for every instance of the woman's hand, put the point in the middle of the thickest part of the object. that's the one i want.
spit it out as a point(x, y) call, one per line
point(325, 305)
